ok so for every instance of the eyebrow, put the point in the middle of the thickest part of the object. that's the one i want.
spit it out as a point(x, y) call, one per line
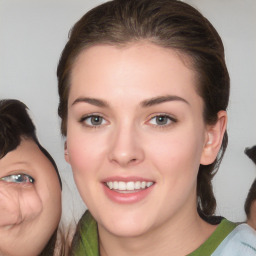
point(22, 163)
point(162, 99)
point(92, 101)
point(144, 103)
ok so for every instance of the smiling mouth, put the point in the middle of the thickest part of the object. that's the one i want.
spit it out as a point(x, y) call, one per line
point(128, 187)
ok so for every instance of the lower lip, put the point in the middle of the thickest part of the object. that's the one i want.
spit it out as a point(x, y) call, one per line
point(127, 198)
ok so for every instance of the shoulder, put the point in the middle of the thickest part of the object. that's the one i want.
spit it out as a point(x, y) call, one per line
point(85, 240)
point(241, 241)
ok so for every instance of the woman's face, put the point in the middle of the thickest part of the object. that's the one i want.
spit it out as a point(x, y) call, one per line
point(30, 200)
point(135, 136)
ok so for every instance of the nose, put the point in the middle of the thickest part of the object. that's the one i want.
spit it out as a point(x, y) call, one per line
point(126, 149)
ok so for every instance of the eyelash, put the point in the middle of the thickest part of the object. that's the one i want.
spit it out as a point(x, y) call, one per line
point(171, 120)
point(14, 178)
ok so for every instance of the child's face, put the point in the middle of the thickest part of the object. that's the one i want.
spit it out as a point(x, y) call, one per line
point(30, 200)
point(135, 136)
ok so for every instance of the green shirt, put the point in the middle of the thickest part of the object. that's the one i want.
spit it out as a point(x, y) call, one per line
point(85, 242)
point(211, 244)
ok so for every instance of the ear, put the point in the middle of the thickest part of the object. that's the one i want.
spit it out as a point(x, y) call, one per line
point(213, 140)
point(66, 152)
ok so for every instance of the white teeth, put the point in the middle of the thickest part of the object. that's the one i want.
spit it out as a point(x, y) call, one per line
point(121, 185)
point(110, 184)
point(137, 185)
point(149, 184)
point(115, 185)
point(130, 185)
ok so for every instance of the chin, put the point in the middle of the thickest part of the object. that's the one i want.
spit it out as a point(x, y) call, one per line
point(126, 231)
point(125, 226)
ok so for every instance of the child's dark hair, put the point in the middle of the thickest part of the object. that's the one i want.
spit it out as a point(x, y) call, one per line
point(251, 197)
point(251, 153)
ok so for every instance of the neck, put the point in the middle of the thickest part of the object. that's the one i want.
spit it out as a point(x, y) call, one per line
point(167, 239)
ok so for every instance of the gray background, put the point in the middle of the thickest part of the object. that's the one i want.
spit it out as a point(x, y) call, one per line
point(33, 34)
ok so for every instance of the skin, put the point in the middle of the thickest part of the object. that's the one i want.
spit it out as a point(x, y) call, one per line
point(27, 210)
point(252, 218)
point(130, 143)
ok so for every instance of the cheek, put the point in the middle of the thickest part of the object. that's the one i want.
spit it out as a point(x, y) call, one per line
point(83, 160)
point(51, 197)
point(87, 154)
point(180, 152)
point(86, 150)
point(50, 193)
point(177, 161)
point(31, 204)
point(83, 156)
point(18, 204)
point(49, 190)
point(9, 206)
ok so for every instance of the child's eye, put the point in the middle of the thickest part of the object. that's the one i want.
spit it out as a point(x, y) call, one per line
point(162, 120)
point(93, 120)
point(18, 178)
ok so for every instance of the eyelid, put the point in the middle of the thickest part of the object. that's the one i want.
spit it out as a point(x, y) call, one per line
point(90, 115)
point(13, 178)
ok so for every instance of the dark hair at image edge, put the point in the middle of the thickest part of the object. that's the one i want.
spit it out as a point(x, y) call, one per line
point(15, 124)
point(251, 153)
point(168, 23)
point(251, 197)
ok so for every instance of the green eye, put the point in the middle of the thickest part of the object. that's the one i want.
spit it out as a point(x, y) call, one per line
point(95, 120)
point(162, 120)
point(18, 178)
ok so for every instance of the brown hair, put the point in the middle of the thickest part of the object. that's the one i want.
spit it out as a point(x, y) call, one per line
point(251, 197)
point(15, 124)
point(251, 153)
point(170, 24)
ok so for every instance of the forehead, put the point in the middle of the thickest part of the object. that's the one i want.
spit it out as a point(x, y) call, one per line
point(27, 157)
point(143, 50)
point(25, 149)
point(136, 66)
